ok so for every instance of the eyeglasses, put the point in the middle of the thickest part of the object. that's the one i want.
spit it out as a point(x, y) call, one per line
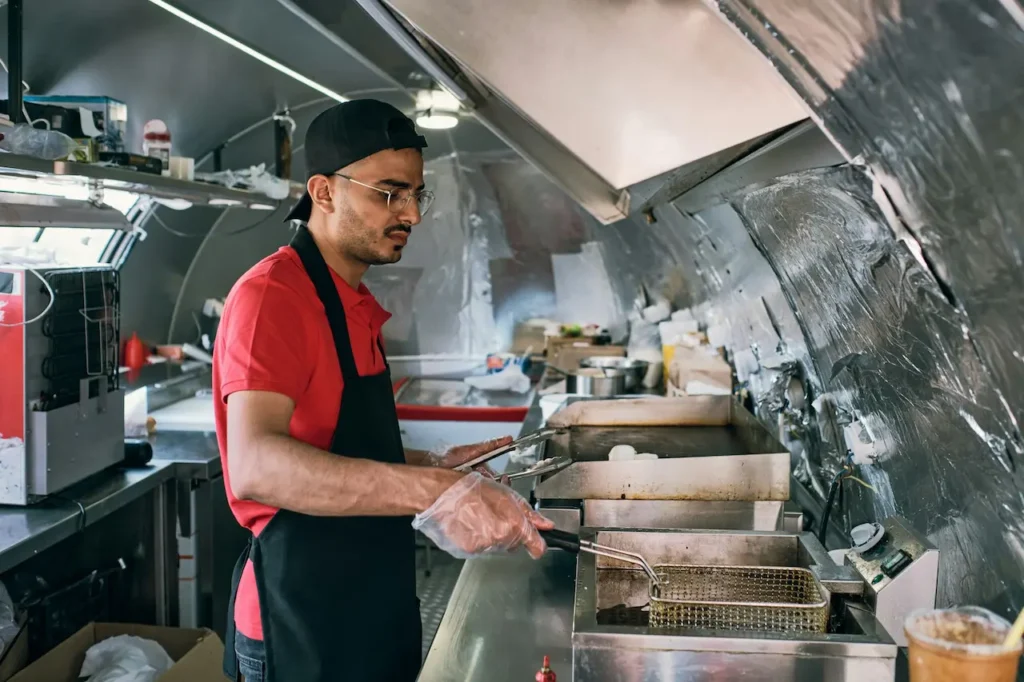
point(398, 199)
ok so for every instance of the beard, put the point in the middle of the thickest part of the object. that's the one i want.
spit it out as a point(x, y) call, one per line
point(366, 252)
point(362, 245)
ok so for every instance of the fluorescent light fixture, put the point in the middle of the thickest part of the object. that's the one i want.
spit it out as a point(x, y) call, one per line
point(432, 121)
point(262, 207)
point(67, 189)
point(255, 54)
point(225, 202)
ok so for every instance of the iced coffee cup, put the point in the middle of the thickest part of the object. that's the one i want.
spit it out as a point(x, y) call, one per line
point(960, 645)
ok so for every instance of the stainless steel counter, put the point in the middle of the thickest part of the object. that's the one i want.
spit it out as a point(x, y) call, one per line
point(26, 531)
point(507, 613)
point(194, 452)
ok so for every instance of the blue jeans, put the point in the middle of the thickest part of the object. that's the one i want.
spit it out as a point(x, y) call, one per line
point(252, 658)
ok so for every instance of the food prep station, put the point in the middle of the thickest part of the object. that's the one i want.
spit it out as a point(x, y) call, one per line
point(716, 503)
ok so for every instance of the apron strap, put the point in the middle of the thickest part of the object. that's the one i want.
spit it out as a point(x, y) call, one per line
point(320, 275)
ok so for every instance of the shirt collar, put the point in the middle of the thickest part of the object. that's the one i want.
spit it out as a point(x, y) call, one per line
point(360, 303)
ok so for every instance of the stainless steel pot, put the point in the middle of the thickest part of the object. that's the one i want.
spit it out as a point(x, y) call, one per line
point(596, 382)
point(634, 369)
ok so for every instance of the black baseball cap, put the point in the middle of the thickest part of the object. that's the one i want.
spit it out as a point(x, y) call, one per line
point(351, 131)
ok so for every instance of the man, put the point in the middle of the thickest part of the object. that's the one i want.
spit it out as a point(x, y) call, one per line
point(309, 437)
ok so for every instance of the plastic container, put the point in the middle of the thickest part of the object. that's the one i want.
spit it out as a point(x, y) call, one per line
point(156, 142)
point(960, 645)
point(41, 144)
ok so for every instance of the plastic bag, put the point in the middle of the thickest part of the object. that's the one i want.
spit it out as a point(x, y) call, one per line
point(136, 413)
point(50, 145)
point(477, 516)
point(8, 623)
point(125, 658)
point(509, 379)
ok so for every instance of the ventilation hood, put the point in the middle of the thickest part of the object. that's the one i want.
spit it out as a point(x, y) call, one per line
point(598, 95)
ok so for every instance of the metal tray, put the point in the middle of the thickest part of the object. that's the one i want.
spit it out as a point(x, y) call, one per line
point(741, 461)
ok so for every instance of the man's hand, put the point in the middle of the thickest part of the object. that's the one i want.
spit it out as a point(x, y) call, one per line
point(477, 516)
point(461, 454)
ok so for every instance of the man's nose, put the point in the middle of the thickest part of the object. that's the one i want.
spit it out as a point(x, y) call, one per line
point(410, 214)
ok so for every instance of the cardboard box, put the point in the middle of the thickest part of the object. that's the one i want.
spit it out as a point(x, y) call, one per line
point(198, 654)
point(567, 357)
point(698, 371)
point(526, 337)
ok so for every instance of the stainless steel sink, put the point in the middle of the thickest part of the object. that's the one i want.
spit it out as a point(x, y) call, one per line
point(612, 640)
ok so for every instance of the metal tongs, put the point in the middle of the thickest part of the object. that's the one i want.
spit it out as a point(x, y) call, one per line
point(572, 543)
point(546, 466)
point(518, 444)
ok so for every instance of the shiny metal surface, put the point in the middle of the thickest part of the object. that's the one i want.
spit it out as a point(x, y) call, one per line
point(456, 393)
point(799, 149)
point(34, 210)
point(728, 515)
point(696, 463)
point(26, 531)
point(165, 555)
point(606, 203)
point(195, 455)
point(894, 598)
point(603, 384)
point(635, 369)
point(708, 91)
point(634, 558)
point(534, 598)
point(855, 649)
point(569, 519)
point(542, 467)
point(892, 279)
point(505, 615)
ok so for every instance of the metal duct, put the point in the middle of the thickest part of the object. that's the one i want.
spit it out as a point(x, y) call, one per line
point(602, 96)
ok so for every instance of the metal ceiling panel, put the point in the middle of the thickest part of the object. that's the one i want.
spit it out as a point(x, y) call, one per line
point(633, 89)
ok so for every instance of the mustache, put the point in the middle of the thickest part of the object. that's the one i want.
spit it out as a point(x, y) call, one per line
point(398, 228)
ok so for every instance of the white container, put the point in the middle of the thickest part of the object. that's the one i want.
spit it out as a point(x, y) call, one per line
point(156, 142)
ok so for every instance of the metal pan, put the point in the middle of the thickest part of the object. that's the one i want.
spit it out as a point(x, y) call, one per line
point(600, 382)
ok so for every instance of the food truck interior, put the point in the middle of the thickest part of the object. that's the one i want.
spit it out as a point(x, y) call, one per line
point(760, 263)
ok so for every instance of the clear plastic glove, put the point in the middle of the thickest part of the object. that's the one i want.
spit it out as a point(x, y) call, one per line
point(478, 516)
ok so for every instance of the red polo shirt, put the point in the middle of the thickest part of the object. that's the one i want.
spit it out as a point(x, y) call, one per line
point(274, 336)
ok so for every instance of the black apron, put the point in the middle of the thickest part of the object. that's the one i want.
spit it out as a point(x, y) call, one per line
point(338, 594)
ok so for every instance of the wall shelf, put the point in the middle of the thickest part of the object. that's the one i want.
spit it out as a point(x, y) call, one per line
point(145, 184)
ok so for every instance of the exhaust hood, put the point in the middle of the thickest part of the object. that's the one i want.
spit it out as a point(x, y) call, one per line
point(599, 95)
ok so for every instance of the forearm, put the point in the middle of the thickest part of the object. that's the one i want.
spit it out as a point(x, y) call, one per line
point(286, 473)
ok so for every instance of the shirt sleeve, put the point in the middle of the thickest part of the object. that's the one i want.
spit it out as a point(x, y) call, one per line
point(266, 340)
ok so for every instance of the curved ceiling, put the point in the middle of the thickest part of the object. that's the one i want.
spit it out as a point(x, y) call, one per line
point(206, 90)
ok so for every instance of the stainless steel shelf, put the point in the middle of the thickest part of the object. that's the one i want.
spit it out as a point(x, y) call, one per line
point(198, 193)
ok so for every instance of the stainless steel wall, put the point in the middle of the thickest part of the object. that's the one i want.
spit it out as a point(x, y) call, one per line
point(904, 278)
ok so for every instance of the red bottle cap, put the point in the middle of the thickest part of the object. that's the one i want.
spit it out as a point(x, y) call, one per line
point(546, 674)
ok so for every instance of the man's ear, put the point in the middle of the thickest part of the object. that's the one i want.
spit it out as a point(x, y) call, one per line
point(319, 189)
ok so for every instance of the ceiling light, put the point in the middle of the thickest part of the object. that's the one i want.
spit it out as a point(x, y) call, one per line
point(436, 99)
point(256, 54)
point(436, 110)
point(68, 189)
point(432, 121)
point(224, 202)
